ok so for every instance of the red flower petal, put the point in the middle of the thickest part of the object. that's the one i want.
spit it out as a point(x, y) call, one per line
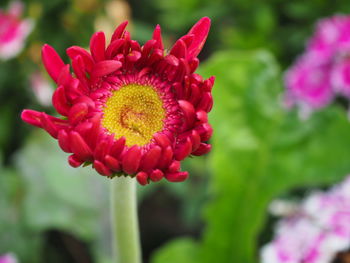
point(97, 46)
point(202, 149)
point(74, 161)
point(101, 168)
point(118, 32)
point(63, 141)
point(142, 178)
point(157, 35)
point(79, 146)
point(151, 158)
point(32, 117)
point(176, 177)
point(131, 160)
point(52, 62)
point(105, 67)
point(200, 31)
point(183, 150)
point(156, 175)
point(112, 163)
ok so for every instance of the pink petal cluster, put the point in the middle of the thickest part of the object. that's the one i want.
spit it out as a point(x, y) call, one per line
point(323, 71)
point(13, 30)
point(316, 231)
point(8, 258)
point(80, 99)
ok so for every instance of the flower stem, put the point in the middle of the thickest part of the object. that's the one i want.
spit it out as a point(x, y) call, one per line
point(124, 220)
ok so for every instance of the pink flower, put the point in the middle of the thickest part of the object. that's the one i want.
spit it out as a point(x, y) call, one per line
point(340, 76)
point(315, 232)
point(308, 82)
point(130, 109)
point(8, 258)
point(331, 36)
point(323, 71)
point(13, 31)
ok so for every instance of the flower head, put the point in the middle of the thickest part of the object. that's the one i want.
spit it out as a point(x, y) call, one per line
point(130, 109)
point(13, 30)
point(315, 232)
point(323, 71)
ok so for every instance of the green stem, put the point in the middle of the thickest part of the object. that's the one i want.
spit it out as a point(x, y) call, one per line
point(124, 220)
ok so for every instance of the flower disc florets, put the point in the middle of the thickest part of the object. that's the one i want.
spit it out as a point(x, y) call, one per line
point(130, 109)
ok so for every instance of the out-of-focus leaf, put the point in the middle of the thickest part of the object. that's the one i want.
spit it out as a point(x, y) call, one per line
point(182, 250)
point(259, 151)
point(58, 196)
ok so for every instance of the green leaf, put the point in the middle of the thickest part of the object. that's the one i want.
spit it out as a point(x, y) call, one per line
point(59, 196)
point(259, 152)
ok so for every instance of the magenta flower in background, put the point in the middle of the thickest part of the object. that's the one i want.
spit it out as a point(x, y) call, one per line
point(315, 232)
point(323, 71)
point(8, 258)
point(13, 30)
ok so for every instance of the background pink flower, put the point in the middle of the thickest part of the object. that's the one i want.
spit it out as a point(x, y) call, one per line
point(315, 232)
point(8, 258)
point(13, 30)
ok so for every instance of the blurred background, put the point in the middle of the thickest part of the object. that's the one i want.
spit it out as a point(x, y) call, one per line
point(50, 212)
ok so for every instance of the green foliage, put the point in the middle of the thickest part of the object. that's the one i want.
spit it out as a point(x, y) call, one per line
point(47, 194)
point(259, 152)
point(279, 25)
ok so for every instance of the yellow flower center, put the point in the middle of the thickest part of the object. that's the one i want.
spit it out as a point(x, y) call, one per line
point(135, 112)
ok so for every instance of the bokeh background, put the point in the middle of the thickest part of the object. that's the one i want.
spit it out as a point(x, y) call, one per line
point(50, 212)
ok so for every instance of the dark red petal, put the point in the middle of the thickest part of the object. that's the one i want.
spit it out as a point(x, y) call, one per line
point(114, 47)
point(65, 78)
point(133, 56)
point(166, 157)
point(205, 131)
point(79, 146)
point(106, 67)
point(202, 116)
point(176, 177)
point(156, 175)
point(202, 149)
point(101, 149)
point(74, 161)
point(118, 32)
point(172, 60)
point(52, 61)
point(59, 101)
point(183, 150)
point(97, 46)
point(157, 35)
point(174, 166)
point(142, 178)
point(206, 103)
point(101, 168)
point(32, 117)
point(87, 100)
point(117, 147)
point(63, 141)
point(150, 158)
point(200, 31)
point(49, 125)
point(77, 113)
point(162, 140)
point(189, 112)
point(195, 139)
point(179, 49)
point(112, 163)
point(75, 51)
point(131, 160)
